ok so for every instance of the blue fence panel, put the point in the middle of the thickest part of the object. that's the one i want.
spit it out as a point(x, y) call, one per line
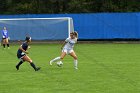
point(97, 25)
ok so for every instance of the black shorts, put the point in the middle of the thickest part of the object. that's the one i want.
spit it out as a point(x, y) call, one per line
point(20, 55)
point(3, 38)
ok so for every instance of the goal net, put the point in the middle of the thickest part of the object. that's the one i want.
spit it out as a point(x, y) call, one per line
point(38, 28)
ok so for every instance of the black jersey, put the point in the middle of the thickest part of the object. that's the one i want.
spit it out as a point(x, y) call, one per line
point(24, 46)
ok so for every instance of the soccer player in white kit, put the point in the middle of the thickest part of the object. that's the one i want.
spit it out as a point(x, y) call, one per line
point(67, 48)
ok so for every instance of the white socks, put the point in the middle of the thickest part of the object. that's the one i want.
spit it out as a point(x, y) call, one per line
point(54, 60)
point(58, 58)
point(75, 64)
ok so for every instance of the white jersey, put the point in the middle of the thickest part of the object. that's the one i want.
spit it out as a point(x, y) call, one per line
point(70, 43)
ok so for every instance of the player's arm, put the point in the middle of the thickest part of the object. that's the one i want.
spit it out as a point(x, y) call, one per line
point(63, 44)
point(3, 35)
point(23, 50)
point(8, 35)
point(67, 40)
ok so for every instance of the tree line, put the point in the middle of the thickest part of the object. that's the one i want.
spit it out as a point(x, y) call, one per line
point(67, 6)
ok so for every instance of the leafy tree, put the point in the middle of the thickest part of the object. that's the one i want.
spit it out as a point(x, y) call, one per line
point(67, 6)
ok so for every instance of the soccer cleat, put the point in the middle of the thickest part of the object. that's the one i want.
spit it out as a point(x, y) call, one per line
point(38, 68)
point(17, 67)
point(50, 62)
point(76, 68)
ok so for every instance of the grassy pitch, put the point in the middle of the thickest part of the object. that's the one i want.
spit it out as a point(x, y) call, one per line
point(103, 68)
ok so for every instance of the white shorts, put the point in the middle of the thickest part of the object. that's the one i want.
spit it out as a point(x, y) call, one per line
point(67, 51)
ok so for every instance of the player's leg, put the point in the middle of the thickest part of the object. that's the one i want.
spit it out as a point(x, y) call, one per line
point(18, 65)
point(28, 59)
point(72, 53)
point(63, 54)
point(19, 56)
point(3, 42)
point(7, 42)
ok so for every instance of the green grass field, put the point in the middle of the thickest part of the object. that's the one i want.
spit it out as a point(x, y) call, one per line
point(103, 68)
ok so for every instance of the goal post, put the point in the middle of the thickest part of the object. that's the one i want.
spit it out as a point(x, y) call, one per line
point(58, 28)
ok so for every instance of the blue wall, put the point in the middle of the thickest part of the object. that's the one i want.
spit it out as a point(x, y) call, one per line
point(98, 25)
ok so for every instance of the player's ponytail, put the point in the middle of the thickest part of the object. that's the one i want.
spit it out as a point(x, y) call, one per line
point(76, 34)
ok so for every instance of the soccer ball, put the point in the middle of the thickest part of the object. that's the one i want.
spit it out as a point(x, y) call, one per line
point(59, 63)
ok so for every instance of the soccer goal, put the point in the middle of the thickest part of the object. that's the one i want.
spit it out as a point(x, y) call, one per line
point(38, 28)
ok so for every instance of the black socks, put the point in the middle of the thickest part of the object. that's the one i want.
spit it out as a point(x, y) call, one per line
point(17, 66)
point(3, 45)
point(33, 65)
point(7, 45)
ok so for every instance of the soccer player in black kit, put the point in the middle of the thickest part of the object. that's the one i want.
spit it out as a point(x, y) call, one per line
point(21, 54)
